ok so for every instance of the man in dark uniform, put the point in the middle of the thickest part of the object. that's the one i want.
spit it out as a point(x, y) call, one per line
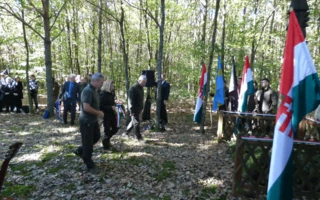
point(266, 98)
point(71, 94)
point(135, 99)
point(165, 92)
point(89, 126)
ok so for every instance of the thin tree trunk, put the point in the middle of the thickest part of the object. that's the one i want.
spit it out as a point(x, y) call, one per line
point(26, 44)
point(76, 37)
point(48, 62)
point(223, 35)
point(99, 37)
point(204, 105)
point(124, 52)
point(161, 32)
point(69, 47)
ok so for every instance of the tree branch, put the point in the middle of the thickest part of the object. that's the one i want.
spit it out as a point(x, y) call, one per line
point(15, 15)
point(55, 19)
point(37, 9)
point(106, 11)
point(146, 11)
point(58, 34)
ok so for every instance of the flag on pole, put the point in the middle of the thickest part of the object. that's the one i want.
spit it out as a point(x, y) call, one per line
point(201, 93)
point(233, 88)
point(219, 96)
point(246, 86)
point(300, 89)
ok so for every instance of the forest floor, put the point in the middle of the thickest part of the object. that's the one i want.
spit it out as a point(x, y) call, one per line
point(179, 163)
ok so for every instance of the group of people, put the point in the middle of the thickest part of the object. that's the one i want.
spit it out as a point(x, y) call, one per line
point(11, 92)
point(102, 104)
point(263, 100)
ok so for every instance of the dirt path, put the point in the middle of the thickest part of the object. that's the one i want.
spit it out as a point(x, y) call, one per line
point(177, 164)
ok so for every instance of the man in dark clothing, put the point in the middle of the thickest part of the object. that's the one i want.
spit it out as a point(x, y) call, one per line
point(165, 92)
point(135, 101)
point(89, 126)
point(266, 98)
point(71, 94)
point(33, 84)
point(18, 93)
point(9, 99)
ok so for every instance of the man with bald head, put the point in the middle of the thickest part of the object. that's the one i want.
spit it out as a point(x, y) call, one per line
point(71, 95)
point(135, 98)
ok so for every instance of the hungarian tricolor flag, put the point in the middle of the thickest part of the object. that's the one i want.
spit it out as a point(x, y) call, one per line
point(246, 87)
point(300, 90)
point(202, 91)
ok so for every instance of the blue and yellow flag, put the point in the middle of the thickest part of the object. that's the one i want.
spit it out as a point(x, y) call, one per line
point(219, 96)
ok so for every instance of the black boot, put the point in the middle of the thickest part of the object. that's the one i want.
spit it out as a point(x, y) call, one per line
point(106, 143)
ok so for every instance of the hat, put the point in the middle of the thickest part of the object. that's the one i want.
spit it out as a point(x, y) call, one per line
point(265, 79)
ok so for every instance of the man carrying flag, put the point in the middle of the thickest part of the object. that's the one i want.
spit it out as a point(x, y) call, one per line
point(246, 86)
point(203, 84)
point(300, 90)
point(219, 97)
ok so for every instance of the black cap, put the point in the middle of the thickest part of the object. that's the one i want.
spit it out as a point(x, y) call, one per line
point(265, 79)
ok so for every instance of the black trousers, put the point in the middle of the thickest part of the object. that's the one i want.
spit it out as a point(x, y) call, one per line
point(1, 105)
point(34, 97)
point(90, 135)
point(9, 102)
point(136, 126)
point(163, 114)
point(110, 127)
point(18, 104)
point(71, 107)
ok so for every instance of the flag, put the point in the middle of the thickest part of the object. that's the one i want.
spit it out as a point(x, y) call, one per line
point(201, 93)
point(233, 88)
point(246, 86)
point(219, 96)
point(300, 89)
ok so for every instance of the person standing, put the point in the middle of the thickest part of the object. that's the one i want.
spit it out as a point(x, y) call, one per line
point(33, 84)
point(89, 126)
point(1, 95)
point(135, 103)
point(165, 92)
point(108, 107)
point(56, 89)
point(266, 98)
point(18, 94)
point(8, 95)
point(71, 94)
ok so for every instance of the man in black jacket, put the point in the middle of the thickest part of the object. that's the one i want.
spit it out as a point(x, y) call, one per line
point(165, 92)
point(136, 106)
point(33, 84)
point(71, 95)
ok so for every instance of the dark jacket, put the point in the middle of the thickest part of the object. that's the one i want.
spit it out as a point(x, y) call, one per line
point(1, 92)
point(165, 91)
point(106, 103)
point(8, 90)
point(75, 93)
point(18, 87)
point(136, 99)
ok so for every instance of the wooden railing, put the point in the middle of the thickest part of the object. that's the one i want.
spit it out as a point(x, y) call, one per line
point(254, 135)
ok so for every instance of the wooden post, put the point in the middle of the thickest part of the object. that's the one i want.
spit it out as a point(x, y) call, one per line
point(237, 176)
point(220, 126)
point(301, 130)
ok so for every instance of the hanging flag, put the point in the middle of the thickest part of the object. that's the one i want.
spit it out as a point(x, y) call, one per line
point(233, 88)
point(300, 89)
point(219, 96)
point(246, 86)
point(203, 84)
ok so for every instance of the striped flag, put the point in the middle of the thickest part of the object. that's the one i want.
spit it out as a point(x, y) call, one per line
point(203, 84)
point(300, 89)
point(246, 86)
point(219, 96)
point(233, 88)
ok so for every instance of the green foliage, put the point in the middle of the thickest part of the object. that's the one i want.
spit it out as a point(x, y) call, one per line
point(17, 190)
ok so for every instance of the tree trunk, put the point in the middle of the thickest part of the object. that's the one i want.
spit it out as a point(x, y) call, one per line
point(47, 49)
point(124, 52)
point(99, 36)
point(69, 47)
point(27, 61)
point(204, 105)
point(223, 36)
point(76, 37)
point(161, 32)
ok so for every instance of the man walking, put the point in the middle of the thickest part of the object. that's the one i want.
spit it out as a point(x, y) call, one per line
point(71, 94)
point(165, 92)
point(89, 126)
point(136, 106)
